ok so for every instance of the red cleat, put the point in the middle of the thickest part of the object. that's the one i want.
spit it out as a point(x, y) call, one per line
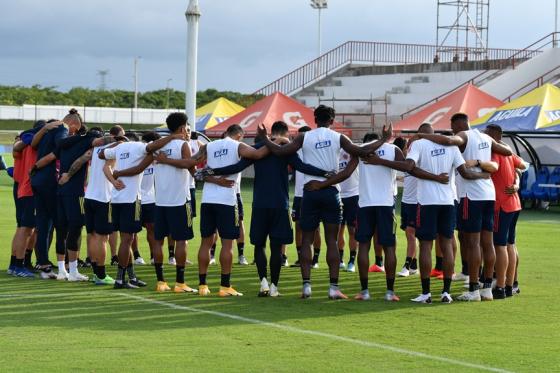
point(436, 273)
point(376, 268)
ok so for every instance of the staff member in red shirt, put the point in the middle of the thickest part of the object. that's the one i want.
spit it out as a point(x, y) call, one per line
point(506, 212)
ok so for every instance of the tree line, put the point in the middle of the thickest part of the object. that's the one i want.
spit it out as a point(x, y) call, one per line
point(79, 96)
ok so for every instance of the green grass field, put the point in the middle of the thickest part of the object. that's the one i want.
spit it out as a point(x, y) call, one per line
point(54, 326)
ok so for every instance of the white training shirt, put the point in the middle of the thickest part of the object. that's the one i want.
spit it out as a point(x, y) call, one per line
point(479, 146)
point(298, 190)
point(377, 183)
point(436, 159)
point(127, 155)
point(195, 147)
point(221, 153)
point(321, 148)
point(351, 186)
point(172, 182)
point(410, 184)
point(98, 187)
point(147, 190)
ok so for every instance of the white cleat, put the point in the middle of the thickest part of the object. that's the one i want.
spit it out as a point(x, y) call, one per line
point(285, 263)
point(62, 276)
point(212, 261)
point(172, 261)
point(403, 272)
point(390, 296)
point(423, 298)
point(265, 289)
point(50, 275)
point(242, 260)
point(486, 294)
point(413, 272)
point(363, 295)
point(461, 277)
point(306, 291)
point(342, 265)
point(350, 267)
point(188, 262)
point(446, 298)
point(315, 266)
point(273, 291)
point(77, 277)
point(139, 261)
point(470, 296)
point(152, 261)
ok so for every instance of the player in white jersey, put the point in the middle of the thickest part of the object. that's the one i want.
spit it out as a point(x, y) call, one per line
point(436, 206)
point(125, 203)
point(321, 148)
point(477, 198)
point(219, 204)
point(349, 195)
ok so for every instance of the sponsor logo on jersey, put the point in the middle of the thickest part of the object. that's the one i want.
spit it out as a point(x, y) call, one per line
point(342, 165)
point(483, 145)
point(168, 151)
point(124, 156)
point(380, 152)
point(220, 153)
point(149, 171)
point(438, 152)
point(323, 144)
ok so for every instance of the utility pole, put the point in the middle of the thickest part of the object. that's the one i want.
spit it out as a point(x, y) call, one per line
point(135, 85)
point(167, 104)
point(555, 38)
point(193, 15)
point(319, 5)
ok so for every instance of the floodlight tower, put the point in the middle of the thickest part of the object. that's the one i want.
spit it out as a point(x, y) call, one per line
point(319, 5)
point(193, 15)
point(102, 79)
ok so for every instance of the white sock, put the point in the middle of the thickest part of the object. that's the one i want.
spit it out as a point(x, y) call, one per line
point(61, 267)
point(73, 266)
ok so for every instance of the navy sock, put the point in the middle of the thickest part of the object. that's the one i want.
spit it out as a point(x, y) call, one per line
point(407, 262)
point(364, 283)
point(159, 271)
point(447, 285)
point(390, 284)
point(352, 256)
point(425, 285)
point(379, 261)
point(225, 280)
point(439, 263)
point(202, 278)
point(180, 277)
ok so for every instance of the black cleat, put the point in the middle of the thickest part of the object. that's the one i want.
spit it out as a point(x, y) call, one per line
point(499, 293)
point(296, 264)
point(138, 283)
point(124, 285)
point(114, 260)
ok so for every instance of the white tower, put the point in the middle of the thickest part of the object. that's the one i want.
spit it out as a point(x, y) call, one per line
point(193, 15)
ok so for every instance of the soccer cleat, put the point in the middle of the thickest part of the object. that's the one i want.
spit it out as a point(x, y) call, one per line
point(390, 296)
point(436, 273)
point(306, 290)
point(212, 261)
point(172, 261)
point(152, 261)
point(342, 265)
point(77, 277)
point(499, 293)
point(413, 271)
point(47, 274)
point(423, 298)
point(296, 264)
point(62, 276)
point(84, 264)
point(265, 290)
point(229, 292)
point(183, 288)
point(375, 268)
point(108, 280)
point(486, 294)
point(470, 296)
point(114, 260)
point(403, 272)
point(440, 277)
point(11, 269)
point(350, 267)
point(139, 261)
point(188, 262)
point(461, 277)
point(162, 286)
point(315, 265)
point(23, 272)
point(93, 278)
point(203, 290)
point(285, 262)
point(137, 282)
point(242, 260)
point(446, 298)
point(335, 293)
point(363, 295)
point(124, 285)
point(516, 290)
point(273, 291)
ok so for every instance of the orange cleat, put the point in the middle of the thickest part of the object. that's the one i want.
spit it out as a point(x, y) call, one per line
point(375, 268)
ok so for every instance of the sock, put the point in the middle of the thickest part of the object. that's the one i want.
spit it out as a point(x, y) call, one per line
point(341, 253)
point(130, 271)
point(352, 256)
point(407, 262)
point(73, 266)
point(213, 250)
point(225, 280)
point(171, 249)
point(275, 262)
point(306, 280)
point(439, 263)
point(240, 248)
point(473, 286)
point(426, 285)
point(364, 283)
point(159, 271)
point(12, 260)
point(120, 275)
point(180, 276)
point(284, 257)
point(316, 252)
point(202, 278)
point(260, 261)
point(334, 281)
point(115, 259)
point(19, 263)
point(487, 283)
point(136, 254)
point(379, 261)
point(447, 285)
point(414, 264)
point(464, 267)
point(61, 266)
point(27, 260)
point(94, 268)
point(101, 272)
point(390, 284)
point(515, 284)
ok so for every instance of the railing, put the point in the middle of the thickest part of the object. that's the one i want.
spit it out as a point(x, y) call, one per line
point(544, 78)
point(380, 52)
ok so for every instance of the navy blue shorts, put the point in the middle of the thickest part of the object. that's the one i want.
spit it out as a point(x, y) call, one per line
point(193, 202)
point(70, 211)
point(320, 206)
point(223, 218)
point(240, 210)
point(408, 215)
point(504, 227)
point(350, 210)
point(432, 220)
point(25, 212)
point(271, 222)
point(127, 217)
point(476, 216)
point(174, 221)
point(296, 208)
point(148, 214)
point(99, 218)
point(378, 220)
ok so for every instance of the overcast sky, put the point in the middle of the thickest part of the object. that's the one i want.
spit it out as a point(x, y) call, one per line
point(244, 44)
